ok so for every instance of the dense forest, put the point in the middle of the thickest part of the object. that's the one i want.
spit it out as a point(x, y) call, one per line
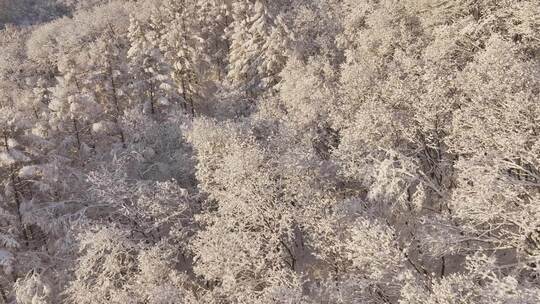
point(270, 151)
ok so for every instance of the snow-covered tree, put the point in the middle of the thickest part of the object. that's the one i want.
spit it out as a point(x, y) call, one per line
point(258, 37)
point(180, 45)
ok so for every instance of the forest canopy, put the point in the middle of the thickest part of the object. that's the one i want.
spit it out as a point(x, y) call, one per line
point(269, 151)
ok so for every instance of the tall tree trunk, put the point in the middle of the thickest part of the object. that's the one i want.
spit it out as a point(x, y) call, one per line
point(443, 266)
point(152, 98)
point(184, 95)
point(17, 199)
point(76, 128)
point(6, 144)
point(116, 105)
